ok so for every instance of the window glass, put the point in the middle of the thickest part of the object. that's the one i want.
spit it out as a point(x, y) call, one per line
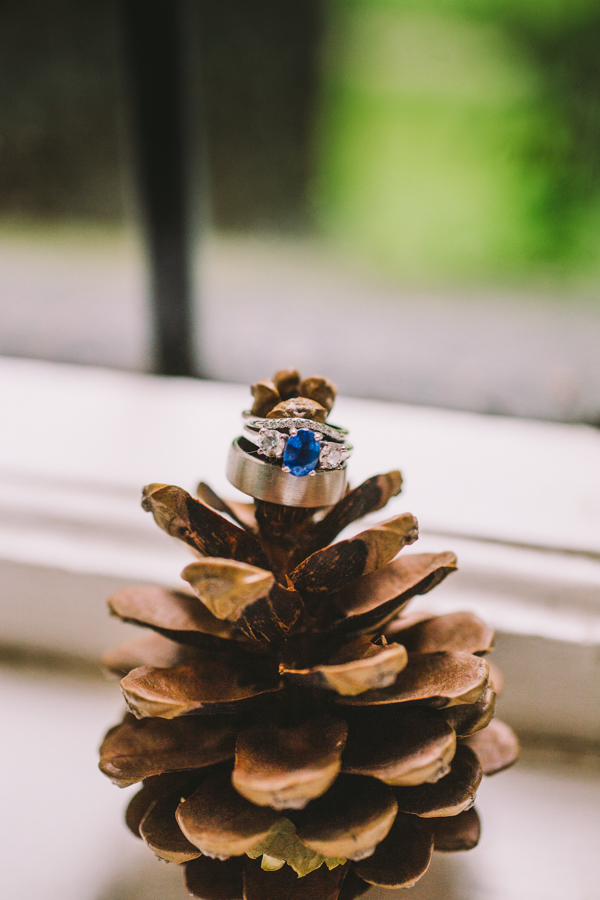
point(71, 277)
point(403, 195)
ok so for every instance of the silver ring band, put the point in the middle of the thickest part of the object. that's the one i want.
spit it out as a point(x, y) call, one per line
point(335, 432)
point(265, 481)
point(256, 436)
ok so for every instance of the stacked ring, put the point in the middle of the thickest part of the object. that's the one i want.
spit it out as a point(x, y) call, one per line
point(308, 449)
point(265, 481)
point(255, 423)
point(271, 457)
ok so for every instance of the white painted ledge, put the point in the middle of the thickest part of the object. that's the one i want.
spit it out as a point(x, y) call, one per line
point(519, 502)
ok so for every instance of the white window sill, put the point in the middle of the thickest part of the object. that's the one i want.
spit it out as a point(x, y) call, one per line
point(519, 502)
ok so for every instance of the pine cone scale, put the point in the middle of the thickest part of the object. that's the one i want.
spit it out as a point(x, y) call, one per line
point(286, 768)
point(148, 650)
point(450, 795)
point(328, 569)
point(441, 678)
point(213, 879)
point(402, 858)
point(468, 718)
point(137, 749)
point(350, 820)
point(370, 668)
point(220, 822)
point(408, 748)
point(375, 599)
point(156, 788)
point(192, 521)
point(227, 587)
point(456, 632)
point(371, 495)
point(496, 746)
point(213, 683)
point(169, 613)
point(452, 833)
point(241, 513)
point(159, 830)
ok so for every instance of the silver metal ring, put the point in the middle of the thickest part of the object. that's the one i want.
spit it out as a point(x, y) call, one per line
point(267, 481)
point(271, 442)
point(335, 432)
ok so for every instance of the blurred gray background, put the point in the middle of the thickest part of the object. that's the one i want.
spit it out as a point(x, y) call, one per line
point(405, 196)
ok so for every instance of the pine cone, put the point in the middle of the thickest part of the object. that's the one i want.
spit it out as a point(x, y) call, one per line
point(299, 735)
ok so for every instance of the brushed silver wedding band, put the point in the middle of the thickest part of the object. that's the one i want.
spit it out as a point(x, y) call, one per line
point(265, 481)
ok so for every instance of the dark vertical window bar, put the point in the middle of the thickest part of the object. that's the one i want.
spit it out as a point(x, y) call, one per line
point(158, 65)
point(260, 70)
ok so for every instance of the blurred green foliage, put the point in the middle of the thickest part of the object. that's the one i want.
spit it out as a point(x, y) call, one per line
point(459, 140)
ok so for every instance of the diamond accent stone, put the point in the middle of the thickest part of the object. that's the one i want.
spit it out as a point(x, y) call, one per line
point(271, 443)
point(302, 452)
point(332, 455)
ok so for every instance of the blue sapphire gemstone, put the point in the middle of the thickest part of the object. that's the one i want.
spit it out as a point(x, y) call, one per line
point(302, 452)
